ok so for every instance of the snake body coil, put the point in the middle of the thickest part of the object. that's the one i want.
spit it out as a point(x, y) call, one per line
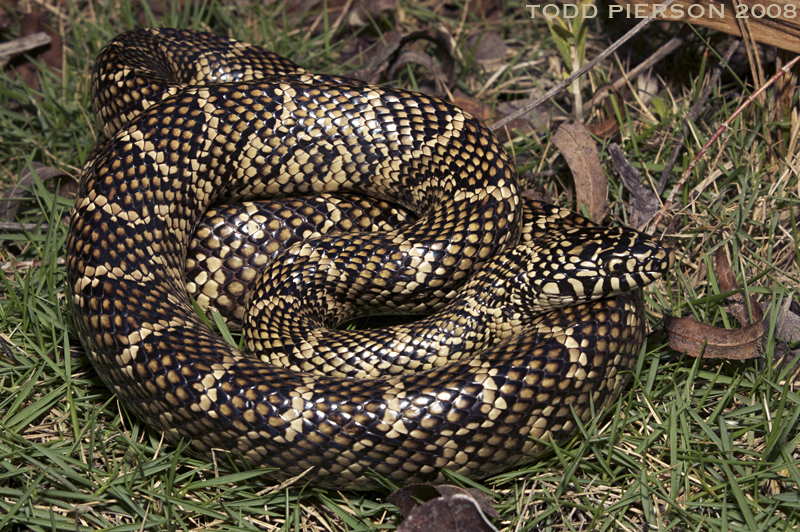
point(546, 322)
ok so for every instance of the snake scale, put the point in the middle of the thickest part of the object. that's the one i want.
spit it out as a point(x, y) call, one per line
point(537, 312)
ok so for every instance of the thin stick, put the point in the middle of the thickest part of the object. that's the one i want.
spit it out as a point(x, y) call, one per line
point(694, 112)
point(585, 68)
point(725, 126)
point(602, 93)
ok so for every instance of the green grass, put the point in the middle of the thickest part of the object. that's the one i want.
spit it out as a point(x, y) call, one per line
point(691, 445)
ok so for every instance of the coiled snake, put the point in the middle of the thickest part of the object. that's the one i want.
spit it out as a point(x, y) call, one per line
point(538, 311)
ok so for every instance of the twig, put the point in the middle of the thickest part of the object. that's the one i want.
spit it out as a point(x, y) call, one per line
point(585, 68)
point(22, 45)
point(717, 134)
point(603, 92)
point(16, 226)
point(11, 266)
point(694, 112)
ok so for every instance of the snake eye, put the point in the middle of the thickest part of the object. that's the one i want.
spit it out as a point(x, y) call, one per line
point(615, 265)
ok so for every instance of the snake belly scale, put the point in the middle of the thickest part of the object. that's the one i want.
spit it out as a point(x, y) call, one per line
point(538, 313)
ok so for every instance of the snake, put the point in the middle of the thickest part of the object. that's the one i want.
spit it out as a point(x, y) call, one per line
point(532, 315)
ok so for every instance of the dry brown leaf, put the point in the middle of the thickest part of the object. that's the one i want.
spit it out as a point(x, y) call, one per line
point(389, 53)
point(446, 509)
point(363, 12)
point(608, 127)
point(687, 335)
point(487, 46)
point(421, 58)
point(776, 22)
point(787, 330)
point(644, 202)
point(605, 129)
point(406, 498)
point(580, 151)
point(11, 198)
point(50, 55)
point(483, 113)
point(475, 107)
point(788, 325)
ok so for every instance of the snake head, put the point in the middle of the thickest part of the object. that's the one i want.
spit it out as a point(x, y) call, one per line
point(587, 263)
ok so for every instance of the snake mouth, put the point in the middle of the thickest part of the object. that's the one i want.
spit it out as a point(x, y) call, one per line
point(647, 257)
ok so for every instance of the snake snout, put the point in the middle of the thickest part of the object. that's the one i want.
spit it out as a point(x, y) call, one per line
point(630, 260)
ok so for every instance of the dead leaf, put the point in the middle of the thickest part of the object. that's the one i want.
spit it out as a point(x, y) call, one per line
point(363, 12)
point(644, 202)
point(388, 54)
point(769, 22)
point(487, 46)
point(727, 283)
point(12, 201)
point(580, 151)
point(483, 112)
point(406, 498)
point(50, 55)
point(788, 324)
point(473, 106)
point(685, 334)
point(485, 9)
point(448, 509)
point(605, 129)
point(608, 127)
point(426, 61)
point(22, 45)
point(538, 119)
point(787, 330)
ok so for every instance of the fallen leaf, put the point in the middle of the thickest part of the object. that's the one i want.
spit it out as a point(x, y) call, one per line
point(50, 55)
point(406, 499)
point(22, 45)
point(473, 106)
point(538, 119)
point(769, 22)
point(644, 202)
point(487, 46)
point(727, 283)
point(13, 195)
point(580, 151)
point(390, 52)
point(483, 112)
point(363, 12)
point(787, 330)
point(605, 129)
point(448, 509)
point(687, 335)
point(426, 61)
